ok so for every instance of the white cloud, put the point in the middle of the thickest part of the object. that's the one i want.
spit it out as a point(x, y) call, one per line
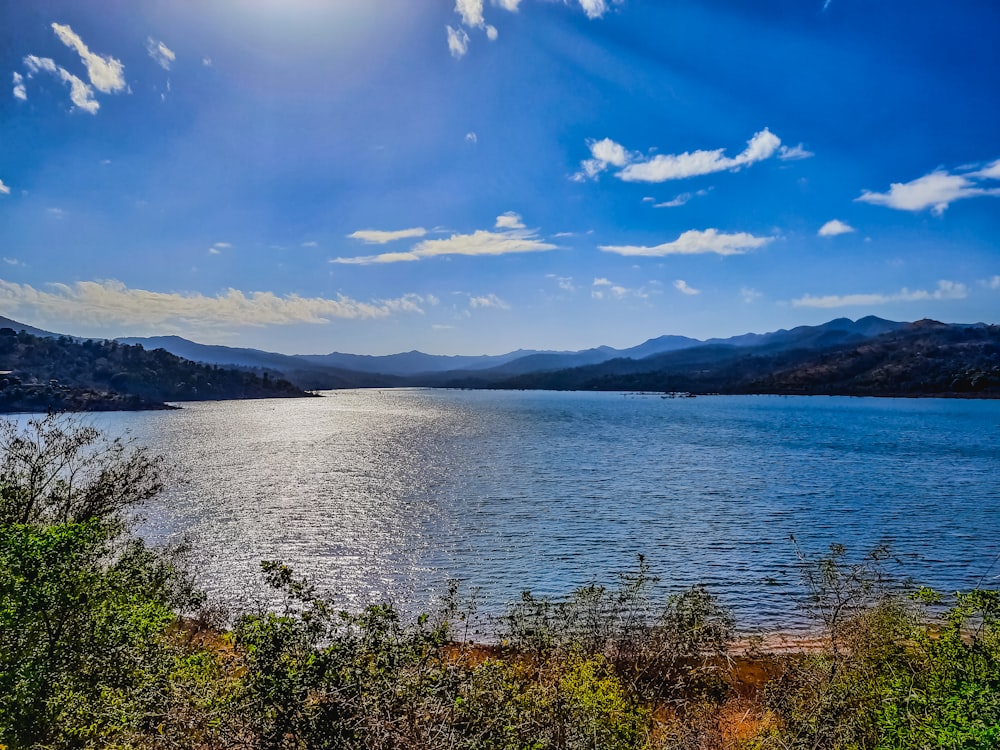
point(834, 227)
point(563, 282)
point(4, 189)
point(483, 242)
point(514, 238)
point(35, 64)
point(19, 91)
point(161, 53)
point(749, 295)
point(471, 137)
point(794, 153)
point(207, 62)
point(380, 237)
point(368, 260)
point(13, 261)
point(492, 33)
point(676, 202)
point(471, 12)
point(594, 8)
point(989, 172)
point(510, 5)
point(223, 245)
point(106, 73)
point(682, 286)
point(458, 42)
point(604, 153)
point(695, 242)
point(602, 288)
point(936, 190)
point(679, 200)
point(56, 212)
point(489, 300)
point(663, 167)
point(992, 283)
point(509, 220)
point(632, 167)
point(111, 303)
point(946, 290)
point(80, 93)
point(310, 243)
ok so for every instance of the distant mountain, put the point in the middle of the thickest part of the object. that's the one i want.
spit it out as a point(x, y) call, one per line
point(42, 373)
point(926, 358)
point(341, 370)
point(409, 363)
point(297, 369)
point(15, 326)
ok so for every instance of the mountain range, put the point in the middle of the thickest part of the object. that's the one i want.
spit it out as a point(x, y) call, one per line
point(869, 356)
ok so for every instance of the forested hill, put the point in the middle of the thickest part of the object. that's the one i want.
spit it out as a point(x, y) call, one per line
point(925, 358)
point(60, 373)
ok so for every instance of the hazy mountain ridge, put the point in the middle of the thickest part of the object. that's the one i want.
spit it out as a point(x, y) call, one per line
point(870, 356)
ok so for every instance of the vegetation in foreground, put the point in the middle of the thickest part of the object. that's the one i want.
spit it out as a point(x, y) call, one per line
point(105, 643)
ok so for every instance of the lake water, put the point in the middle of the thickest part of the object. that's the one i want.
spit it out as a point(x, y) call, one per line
point(388, 494)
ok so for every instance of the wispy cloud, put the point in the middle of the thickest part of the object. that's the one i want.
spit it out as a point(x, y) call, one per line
point(20, 92)
point(993, 282)
point(106, 74)
point(471, 12)
point(563, 282)
point(160, 53)
point(509, 220)
point(111, 303)
point(834, 227)
point(679, 200)
point(471, 137)
point(13, 261)
point(513, 238)
point(682, 286)
point(472, 15)
point(794, 153)
point(80, 93)
point(936, 190)
point(605, 289)
point(4, 189)
point(381, 237)
point(749, 294)
point(458, 42)
point(946, 290)
point(488, 301)
point(695, 242)
point(594, 8)
point(633, 167)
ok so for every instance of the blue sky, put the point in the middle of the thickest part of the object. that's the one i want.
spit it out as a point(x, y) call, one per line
point(377, 176)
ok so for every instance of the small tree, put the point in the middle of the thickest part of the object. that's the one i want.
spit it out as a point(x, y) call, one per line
point(83, 604)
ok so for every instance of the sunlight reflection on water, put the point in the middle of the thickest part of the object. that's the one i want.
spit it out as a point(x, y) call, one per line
point(388, 494)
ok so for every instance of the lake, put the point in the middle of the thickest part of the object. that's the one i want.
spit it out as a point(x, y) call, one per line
point(388, 494)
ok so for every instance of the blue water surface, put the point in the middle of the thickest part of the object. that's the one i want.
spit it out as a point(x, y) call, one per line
point(389, 494)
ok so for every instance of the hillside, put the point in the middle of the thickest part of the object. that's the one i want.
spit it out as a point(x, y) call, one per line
point(922, 359)
point(60, 373)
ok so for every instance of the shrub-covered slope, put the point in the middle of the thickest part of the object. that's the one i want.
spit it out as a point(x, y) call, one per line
point(60, 373)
